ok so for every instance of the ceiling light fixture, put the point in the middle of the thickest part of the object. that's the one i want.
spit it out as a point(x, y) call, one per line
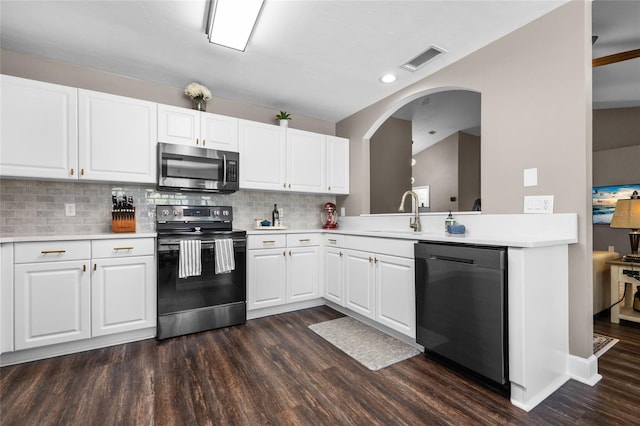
point(388, 78)
point(231, 22)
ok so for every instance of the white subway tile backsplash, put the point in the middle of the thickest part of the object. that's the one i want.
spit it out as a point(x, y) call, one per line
point(31, 207)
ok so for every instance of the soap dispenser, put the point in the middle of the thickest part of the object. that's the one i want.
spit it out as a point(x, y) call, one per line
point(448, 222)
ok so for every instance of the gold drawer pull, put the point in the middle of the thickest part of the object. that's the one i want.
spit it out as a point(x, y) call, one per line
point(53, 251)
point(268, 242)
point(333, 241)
point(122, 248)
point(305, 240)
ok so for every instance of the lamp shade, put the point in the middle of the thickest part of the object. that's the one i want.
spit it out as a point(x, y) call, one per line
point(627, 214)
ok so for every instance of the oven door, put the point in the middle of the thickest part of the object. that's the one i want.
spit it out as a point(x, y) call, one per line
point(204, 302)
point(197, 169)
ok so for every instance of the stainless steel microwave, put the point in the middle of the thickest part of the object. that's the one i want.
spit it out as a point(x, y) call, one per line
point(188, 168)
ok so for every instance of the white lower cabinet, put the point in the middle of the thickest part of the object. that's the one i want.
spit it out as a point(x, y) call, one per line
point(380, 284)
point(282, 269)
point(52, 293)
point(61, 294)
point(334, 269)
point(123, 286)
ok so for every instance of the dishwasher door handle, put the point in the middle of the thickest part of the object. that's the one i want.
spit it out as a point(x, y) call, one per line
point(452, 259)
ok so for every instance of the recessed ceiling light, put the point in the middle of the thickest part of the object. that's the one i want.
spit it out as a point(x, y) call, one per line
point(231, 22)
point(388, 78)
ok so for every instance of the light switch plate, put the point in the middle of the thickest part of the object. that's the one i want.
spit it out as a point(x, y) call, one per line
point(530, 177)
point(538, 204)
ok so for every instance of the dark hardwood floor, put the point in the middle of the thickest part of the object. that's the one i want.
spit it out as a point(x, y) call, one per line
point(276, 371)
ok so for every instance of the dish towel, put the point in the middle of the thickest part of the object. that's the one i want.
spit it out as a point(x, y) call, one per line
point(225, 261)
point(189, 262)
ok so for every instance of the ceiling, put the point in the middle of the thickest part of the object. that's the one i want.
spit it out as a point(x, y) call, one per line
point(317, 58)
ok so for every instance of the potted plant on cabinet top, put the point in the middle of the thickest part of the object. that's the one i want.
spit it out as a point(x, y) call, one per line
point(283, 117)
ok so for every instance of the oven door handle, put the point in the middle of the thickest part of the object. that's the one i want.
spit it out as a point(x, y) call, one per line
point(166, 246)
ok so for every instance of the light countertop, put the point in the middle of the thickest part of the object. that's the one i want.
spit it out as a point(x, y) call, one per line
point(106, 236)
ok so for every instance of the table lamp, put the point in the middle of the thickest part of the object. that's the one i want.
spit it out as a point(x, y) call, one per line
point(627, 216)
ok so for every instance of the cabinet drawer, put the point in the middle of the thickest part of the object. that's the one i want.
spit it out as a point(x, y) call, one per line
point(122, 247)
point(389, 246)
point(52, 251)
point(302, 240)
point(266, 241)
point(333, 240)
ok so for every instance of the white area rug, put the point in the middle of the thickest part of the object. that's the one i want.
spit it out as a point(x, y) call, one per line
point(370, 347)
point(602, 343)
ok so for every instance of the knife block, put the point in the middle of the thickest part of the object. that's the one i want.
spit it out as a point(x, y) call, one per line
point(123, 220)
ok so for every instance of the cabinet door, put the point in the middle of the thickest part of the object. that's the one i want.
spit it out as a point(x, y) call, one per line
point(395, 293)
point(306, 161)
point(39, 131)
point(178, 125)
point(303, 274)
point(359, 282)
point(262, 156)
point(117, 138)
point(123, 295)
point(52, 303)
point(219, 132)
point(337, 165)
point(333, 273)
point(266, 276)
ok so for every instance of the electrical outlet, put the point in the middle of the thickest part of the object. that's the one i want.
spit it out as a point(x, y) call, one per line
point(70, 209)
point(538, 204)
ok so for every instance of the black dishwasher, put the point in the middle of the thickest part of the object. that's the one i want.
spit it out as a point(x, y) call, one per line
point(461, 308)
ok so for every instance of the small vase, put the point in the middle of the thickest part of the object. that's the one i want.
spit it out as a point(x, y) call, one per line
point(199, 104)
point(284, 123)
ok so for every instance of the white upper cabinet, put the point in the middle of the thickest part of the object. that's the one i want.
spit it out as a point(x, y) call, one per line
point(117, 138)
point(196, 128)
point(39, 131)
point(275, 158)
point(306, 161)
point(262, 156)
point(219, 131)
point(337, 179)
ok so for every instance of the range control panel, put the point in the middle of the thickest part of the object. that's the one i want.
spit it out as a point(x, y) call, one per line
point(166, 214)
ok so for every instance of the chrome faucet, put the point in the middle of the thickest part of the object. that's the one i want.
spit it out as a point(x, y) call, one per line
point(415, 224)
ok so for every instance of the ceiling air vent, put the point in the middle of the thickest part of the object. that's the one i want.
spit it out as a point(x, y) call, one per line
point(423, 58)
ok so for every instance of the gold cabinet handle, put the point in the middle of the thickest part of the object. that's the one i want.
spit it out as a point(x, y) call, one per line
point(268, 242)
point(375, 260)
point(305, 240)
point(329, 187)
point(340, 254)
point(370, 259)
point(203, 142)
point(289, 186)
point(284, 253)
point(95, 266)
point(197, 141)
point(122, 248)
point(284, 185)
point(81, 172)
point(84, 268)
point(332, 240)
point(72, 172)
point(289, 253)
point(53, 251)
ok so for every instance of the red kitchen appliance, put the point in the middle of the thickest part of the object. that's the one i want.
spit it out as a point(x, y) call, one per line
point(329, 216)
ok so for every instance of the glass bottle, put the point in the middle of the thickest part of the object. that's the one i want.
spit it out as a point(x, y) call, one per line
point(275, 216)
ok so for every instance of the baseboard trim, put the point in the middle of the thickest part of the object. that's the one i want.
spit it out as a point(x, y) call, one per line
point(584, 370)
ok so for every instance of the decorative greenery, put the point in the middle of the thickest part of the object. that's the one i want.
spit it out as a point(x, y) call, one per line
point(284, 115)
point(195, 90)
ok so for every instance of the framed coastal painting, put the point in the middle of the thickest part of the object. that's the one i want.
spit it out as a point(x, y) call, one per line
point(604, 200)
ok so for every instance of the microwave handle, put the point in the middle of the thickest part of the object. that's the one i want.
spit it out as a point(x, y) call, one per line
point(224, 170)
